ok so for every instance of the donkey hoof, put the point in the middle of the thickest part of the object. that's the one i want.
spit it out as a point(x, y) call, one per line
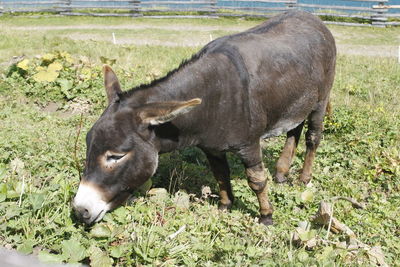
point(224, 206)
point(305, 179)
point(280, 178)
point(266, 220)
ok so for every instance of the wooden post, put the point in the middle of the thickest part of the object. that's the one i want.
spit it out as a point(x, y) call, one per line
point(135, 10)
point(67, 7)
point(292, 5)
point(379, 19)
point(214, 6)
point(398, 59)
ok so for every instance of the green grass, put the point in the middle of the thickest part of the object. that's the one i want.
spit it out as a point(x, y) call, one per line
point(10, 20)
point(367, 36)
point(359, 158)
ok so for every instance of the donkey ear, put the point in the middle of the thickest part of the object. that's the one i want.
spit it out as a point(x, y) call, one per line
point(111, 83)
point(162, 112)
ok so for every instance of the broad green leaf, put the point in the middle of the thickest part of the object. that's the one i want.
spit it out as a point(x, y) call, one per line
point(12, 194)
point(120, 214)
point(307, 196)
point(72, 250)
point(119, 251)
point(19, 187)
point(99, 258)
point(37, 200)
point(49, 258)
point(45, 76)
point(23, 64)
point(305, 235)
point(302, 256)
point(13, 211)
point(145, 187)
point(100, 230)
point(108, 217)
point(326, 255)
point(26, 247)
point(66, 85)
point(3, 192)
point(3, 172)
point(55, 66)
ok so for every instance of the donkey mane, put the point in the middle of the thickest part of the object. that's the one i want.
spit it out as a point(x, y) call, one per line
point(184, 63)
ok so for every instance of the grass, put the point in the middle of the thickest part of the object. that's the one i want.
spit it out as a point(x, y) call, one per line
point(25, 35)
point(359, 158)
point(79, 20)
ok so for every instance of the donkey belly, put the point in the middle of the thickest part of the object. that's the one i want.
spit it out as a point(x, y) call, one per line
point(291, 117)
point(281, 127)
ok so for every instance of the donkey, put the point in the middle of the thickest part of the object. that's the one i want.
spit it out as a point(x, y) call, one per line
point(234, 92)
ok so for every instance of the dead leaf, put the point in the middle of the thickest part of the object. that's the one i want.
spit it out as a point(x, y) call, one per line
point(17, 165)
point(376, 256)
point(205, 192)
point(181, 200)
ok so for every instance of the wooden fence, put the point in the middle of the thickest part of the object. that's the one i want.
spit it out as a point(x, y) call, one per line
point(377, 13)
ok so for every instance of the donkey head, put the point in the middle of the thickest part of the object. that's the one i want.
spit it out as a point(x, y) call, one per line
point(122, 150)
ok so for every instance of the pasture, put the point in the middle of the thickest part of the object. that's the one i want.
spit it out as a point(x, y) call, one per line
point(42, 149)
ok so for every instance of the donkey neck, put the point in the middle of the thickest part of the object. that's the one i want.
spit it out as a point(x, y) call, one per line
point(183, 84)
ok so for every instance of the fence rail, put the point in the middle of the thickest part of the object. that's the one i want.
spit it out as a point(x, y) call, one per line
point(377, 12)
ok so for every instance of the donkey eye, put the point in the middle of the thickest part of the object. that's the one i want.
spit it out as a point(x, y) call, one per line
point(115, 157)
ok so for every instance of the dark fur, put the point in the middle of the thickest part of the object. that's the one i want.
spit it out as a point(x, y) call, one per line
point(250, 83)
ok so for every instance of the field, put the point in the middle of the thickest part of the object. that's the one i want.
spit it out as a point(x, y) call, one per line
point(50, 74)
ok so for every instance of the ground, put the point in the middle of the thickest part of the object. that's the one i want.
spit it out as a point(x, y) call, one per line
point(50, 73)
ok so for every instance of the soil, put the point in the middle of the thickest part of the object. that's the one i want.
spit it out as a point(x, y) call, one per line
point(76, 106)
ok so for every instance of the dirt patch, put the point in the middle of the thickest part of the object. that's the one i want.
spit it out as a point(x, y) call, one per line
point(78, 106)
point(74, 107)
point(51, 107)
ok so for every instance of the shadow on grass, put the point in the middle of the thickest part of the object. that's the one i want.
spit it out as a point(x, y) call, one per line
point(189, 170)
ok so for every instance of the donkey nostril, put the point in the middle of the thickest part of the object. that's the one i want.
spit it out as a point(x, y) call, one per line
point(86, 214)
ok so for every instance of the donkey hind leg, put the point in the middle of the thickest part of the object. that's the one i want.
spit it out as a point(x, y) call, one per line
point(313, 138)
point(252, 159)
point(286, 158)
point(220, 168)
